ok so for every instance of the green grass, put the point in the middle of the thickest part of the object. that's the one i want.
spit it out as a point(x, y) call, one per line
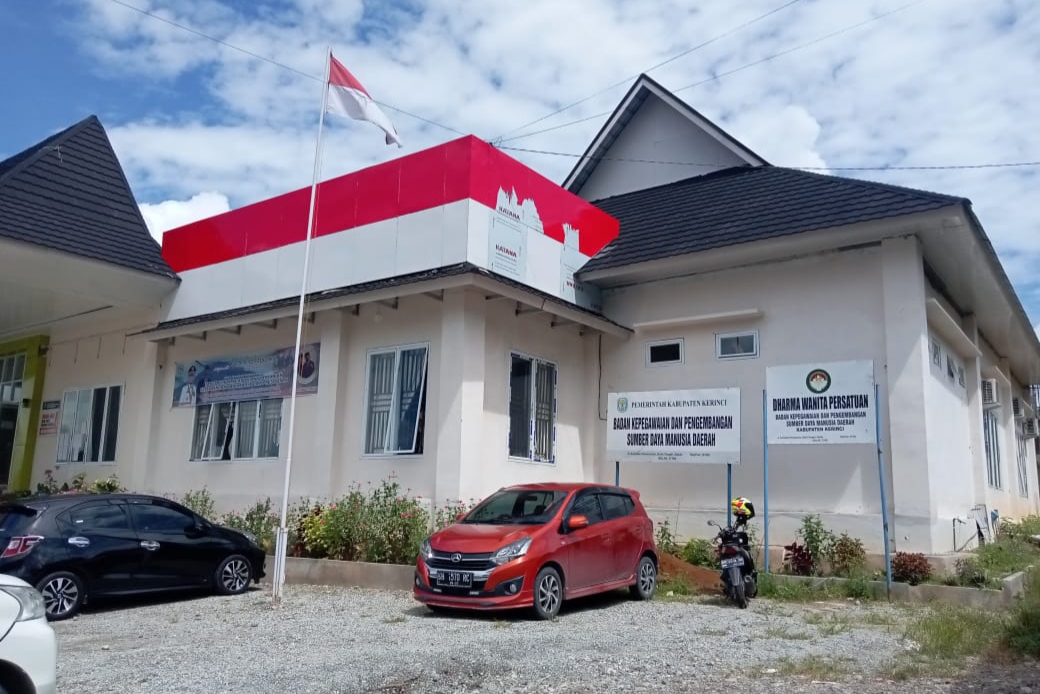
point(1022, 631)
point(813, 666)
point(786, 634)
point(949, 632)
point(774, 588)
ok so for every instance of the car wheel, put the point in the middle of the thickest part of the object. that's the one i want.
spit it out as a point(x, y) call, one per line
point(646, 580)
point(63, 595)
point(233, 575)
point(548, 593)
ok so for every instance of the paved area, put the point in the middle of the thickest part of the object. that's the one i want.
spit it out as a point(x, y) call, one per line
point(328, 641)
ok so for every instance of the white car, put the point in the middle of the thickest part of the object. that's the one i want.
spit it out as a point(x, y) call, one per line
point(28, 647)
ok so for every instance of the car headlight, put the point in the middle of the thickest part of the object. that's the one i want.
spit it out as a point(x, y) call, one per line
point(511, 551)
point(30, 600)
point(251, 537)
point(426, 550)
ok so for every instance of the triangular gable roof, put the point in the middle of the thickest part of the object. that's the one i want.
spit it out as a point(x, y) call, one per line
point(643, 88)
point(745, 204)
point(69, 193)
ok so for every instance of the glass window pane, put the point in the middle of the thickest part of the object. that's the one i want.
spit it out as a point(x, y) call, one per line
point(81, 438)
point(98, 517)
point(520, 407)
point(270, 428)
point(380, 400)
point(154, 518)
point(544, 415)
point(222, 431)
point(16, 392)
point(411, 380)
point(6, 392)
point(199, 442)
point(67, 430)
point(97, 421)
point(246, 426)
point(19, 368)
point(6, 369)
point(115, 394)
point(665, 353)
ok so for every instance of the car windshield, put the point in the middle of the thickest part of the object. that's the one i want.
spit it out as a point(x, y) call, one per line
point(517, 506)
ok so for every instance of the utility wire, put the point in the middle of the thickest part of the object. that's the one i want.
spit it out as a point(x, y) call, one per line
point(730, 72)
point(317, 78)
point(802, 168)
point(648, 70)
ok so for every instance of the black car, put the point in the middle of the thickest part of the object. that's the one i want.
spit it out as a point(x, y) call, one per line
point(78, 546)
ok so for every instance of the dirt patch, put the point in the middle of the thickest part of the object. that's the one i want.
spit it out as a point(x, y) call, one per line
point(699, 579)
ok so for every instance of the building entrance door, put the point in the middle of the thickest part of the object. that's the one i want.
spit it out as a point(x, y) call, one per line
point(8, 420)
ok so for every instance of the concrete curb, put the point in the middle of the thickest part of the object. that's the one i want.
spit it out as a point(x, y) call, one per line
point(352, 574)
point(983, 598)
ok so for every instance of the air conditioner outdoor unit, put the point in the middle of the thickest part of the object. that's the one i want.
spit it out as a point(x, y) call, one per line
point(1031, 428)
point(990, 395)
point(1017, 408)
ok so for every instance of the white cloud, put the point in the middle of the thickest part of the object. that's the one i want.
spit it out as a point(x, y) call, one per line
point(171, 214)
point(943, 82)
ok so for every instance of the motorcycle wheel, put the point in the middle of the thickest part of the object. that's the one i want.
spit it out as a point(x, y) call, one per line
point(739, 596)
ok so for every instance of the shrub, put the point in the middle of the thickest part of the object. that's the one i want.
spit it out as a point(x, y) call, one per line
point(1021, 529)
point(259, 520)
point(109, 485)
point(911, 568)
point(799, 560)
point(201, 502)
point(699, 552)
point(969, 573)
point(1022, 634)
point(446, 515)
point(818, 540)
point(847, 556)
point(666, 543)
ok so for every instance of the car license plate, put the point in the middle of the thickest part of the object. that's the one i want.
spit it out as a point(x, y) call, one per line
point(732, 561)
point(455, 579)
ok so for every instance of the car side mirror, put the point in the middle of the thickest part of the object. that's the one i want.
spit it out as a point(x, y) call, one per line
point(196, 530)
point(578, 522)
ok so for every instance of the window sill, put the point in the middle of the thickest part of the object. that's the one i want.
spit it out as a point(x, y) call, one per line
point(531, 461)
point(736, 357)
point(391, 456)
point(202, 461)
point(110, 463)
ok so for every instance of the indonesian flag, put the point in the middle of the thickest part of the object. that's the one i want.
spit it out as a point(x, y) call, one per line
point(348, 98)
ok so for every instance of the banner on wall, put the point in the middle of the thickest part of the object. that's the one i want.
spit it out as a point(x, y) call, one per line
point(680, 426)
point(821, 403)
point(252, 376)
point(49, 417)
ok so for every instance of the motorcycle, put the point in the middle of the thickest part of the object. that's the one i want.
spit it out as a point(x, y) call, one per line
point(739, 576)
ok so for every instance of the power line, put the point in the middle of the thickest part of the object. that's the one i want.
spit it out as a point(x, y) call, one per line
point(317, 78)
point(661, 64)
point(730, 72)
point(995, 165)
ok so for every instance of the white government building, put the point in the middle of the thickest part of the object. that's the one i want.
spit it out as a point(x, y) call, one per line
point(471, 324)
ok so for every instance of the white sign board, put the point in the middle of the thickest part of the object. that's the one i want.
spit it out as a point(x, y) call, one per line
point(821, 403)
point(675, 426)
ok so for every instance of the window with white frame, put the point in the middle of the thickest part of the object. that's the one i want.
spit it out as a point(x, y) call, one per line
point(736, 345)
point(532, 409)
point(243, 430)
point(991, 436)
point(395, 400)
point(664, 352)
point(1023, 461)
point(89, 425)
point(11, 368)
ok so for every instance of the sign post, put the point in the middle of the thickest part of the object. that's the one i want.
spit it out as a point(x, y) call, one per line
point(823, 404)
point(676, 426)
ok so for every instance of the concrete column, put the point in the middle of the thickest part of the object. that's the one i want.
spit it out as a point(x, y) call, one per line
point(155, 369)
point(906, 355)
point(460, 457)
point(973, 376)
point(315, 477)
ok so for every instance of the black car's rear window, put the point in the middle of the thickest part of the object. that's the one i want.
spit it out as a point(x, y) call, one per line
point(14, 518)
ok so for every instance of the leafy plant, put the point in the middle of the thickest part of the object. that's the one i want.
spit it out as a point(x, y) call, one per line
point(201, 502)
point(259, 520)
point(665, 539)
point(799, 560)
point(109, 485)
point(1022, 634)
point(912, 568)
point(847, 556)
point(969, 573)
point(699, 552)
point(446, 515)
point(818, 540)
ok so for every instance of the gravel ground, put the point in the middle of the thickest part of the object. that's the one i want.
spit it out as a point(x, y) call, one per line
point(329, 640)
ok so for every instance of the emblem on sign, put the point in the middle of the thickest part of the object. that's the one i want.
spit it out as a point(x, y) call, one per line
point(818, 381)
point(622, 404)
point(456, 558)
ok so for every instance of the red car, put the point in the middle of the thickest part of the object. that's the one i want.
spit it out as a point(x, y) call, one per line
point(536, 545)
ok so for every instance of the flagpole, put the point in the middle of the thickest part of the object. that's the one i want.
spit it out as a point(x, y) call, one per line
point(282, 538)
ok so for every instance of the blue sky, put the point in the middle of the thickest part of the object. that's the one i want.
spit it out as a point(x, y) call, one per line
point(200, 128)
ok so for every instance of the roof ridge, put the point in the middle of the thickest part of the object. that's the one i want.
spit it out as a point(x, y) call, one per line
point(32, 153)
point(865, 182)
point(718, 173)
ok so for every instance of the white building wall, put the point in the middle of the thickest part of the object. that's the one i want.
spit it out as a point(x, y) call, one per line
point(657, 133)
point(823, 308)
point(100, 354)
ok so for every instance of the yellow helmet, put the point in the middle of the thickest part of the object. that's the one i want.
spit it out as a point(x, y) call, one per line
point(742, 508)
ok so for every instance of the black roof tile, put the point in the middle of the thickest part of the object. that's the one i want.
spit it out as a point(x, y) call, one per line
point(69, 192)
point(742, 204)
